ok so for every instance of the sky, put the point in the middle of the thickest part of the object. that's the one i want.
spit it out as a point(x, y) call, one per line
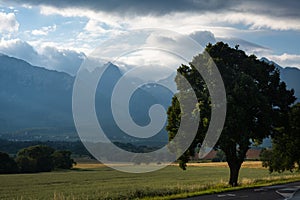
point(59, 34)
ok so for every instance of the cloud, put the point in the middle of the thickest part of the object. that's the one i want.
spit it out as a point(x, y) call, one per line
point(189, 21)
point(249, 47)
point(8, 23)
point(18, 49)
point(261, 20)
point(132, 7)
point(44, 30)
point(49, 57)
point(278, 8)
point(61, 60)
point(136, 7)
point(286, 60)
point(203, 37)
point(152, 48)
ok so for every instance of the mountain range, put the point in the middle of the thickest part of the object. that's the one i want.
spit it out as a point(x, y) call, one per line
point(36, 103)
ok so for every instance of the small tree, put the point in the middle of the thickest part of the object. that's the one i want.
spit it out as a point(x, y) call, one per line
point(7, 164)
point(285, 153)
point(62, 159)
point(257, 102)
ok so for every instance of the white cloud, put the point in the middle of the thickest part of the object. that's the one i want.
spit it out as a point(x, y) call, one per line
point(45, 56)
point(248, 47)
point(110, 20)
point(44, 30)
point(184, 22)
point(8, 23)
point(26, 6)
point(61, 60)
point(18, 49)
point(286, 60)
point(203, 37)
point(260, 21)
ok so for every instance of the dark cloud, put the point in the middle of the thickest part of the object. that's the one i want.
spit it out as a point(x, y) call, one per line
point(287, 8)
point(136, 7)
point(278, 8)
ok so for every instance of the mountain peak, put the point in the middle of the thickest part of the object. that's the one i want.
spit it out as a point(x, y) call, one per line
point(266, 60)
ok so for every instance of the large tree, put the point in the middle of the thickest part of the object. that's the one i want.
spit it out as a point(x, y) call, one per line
point(35, 159)
point(285, 153)
point(257, 102)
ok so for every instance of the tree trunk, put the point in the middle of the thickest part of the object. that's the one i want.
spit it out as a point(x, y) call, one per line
point(234, 173)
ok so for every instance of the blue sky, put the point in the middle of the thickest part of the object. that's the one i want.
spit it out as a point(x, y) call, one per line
point(59, 34)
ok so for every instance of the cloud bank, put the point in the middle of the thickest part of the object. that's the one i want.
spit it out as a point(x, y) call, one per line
point(8, 23)
point(279, 8)
point(46, 56)
point(136, 7)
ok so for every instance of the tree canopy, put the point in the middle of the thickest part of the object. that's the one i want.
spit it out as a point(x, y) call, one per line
point(41, 158)
point(35, 159)
point(257, 102)
point(62, 159)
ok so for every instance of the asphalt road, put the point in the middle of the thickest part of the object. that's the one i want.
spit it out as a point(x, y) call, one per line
point(277, 192)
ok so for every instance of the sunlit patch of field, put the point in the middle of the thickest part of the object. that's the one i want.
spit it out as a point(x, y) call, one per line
point(246, 164)
point(88, 165)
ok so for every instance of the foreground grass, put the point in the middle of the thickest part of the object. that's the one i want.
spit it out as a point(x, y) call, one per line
point(105, 183)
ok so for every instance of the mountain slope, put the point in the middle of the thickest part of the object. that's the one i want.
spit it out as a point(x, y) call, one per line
point(35, 100)
point(290, 75)
point(32, 96)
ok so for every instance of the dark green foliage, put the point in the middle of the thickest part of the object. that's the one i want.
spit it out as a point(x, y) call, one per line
point(257, 102)
point(39, 158)
point(26, 164)
point(7, 164)
point(35, 159)
point(285, 154)
point(62, 159)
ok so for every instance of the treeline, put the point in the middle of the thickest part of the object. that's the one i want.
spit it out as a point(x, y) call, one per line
point(38, 158)
point(76, 147)
point(12, 147)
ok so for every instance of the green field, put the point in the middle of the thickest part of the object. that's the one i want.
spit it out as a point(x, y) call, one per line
point(106, 183)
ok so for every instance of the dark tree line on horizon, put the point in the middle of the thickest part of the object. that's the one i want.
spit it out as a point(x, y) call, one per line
point(39, 158)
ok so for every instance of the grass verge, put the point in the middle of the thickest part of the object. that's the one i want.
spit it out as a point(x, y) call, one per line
point(224, 187)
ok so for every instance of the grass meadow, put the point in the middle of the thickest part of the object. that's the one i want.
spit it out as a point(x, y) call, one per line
point(94, 181)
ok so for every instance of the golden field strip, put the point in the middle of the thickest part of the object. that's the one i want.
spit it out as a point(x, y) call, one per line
point(246, 164)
